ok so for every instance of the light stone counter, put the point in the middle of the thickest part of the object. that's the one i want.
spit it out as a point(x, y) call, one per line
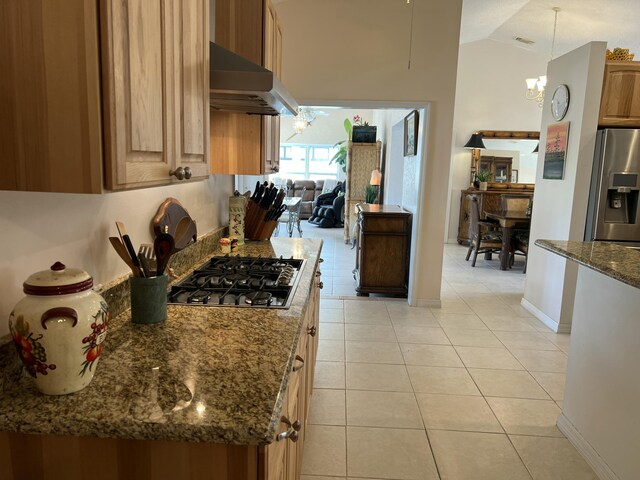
point(208, 374)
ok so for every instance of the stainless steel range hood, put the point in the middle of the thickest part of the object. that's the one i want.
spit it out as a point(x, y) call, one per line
point(238, 85)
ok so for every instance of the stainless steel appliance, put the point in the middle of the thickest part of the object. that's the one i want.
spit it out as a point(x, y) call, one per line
point(239, 85)
point(613, 213)
point(240, 282)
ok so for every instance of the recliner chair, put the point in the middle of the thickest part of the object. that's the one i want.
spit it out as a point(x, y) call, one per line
point(329, 209)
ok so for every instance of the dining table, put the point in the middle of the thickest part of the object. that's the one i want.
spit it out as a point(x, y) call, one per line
point(508, 220)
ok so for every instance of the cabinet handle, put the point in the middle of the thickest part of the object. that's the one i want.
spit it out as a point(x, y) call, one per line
point(292, 430)
point(275, 168)
point(298, 367)
point(321, 260)
point(318, 273)
point(312, 331)
point(181, 173)
point(320, 285)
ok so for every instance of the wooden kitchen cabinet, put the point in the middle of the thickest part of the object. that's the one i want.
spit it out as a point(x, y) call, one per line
point(383, 243)
point(620, 102)
point(156, 78)
point(103, 85)
point(245, 144)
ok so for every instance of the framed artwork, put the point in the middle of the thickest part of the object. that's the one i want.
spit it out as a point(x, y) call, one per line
point(555, 151)
point(514, 176)
point(411, 134)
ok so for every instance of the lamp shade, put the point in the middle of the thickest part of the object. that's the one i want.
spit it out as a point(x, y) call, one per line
point(375, 178)
point(475, 141)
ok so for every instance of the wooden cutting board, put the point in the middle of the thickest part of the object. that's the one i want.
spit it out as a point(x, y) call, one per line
point(169, 214)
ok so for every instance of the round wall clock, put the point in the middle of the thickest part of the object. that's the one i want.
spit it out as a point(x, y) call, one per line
point(560, 102)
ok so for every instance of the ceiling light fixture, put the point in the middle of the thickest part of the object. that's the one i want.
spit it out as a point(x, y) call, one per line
point(303, 119)
point(536, 86)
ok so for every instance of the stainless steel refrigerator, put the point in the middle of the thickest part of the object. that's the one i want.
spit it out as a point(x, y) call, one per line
point(613, 213)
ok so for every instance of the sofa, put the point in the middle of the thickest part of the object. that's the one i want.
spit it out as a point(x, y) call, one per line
point(313, 190)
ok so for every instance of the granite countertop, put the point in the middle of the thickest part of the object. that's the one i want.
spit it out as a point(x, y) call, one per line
point(611, 259)
point(207, 374)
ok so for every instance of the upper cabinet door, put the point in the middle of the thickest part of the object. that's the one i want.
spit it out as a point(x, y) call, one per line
point(620, 104)
point(191, 71)
point(50, 126)
point(137, 90)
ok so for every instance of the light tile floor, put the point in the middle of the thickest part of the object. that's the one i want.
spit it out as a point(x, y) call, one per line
point(471, 390)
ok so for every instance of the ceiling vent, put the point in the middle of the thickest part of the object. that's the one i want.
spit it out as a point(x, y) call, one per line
point(526, 41)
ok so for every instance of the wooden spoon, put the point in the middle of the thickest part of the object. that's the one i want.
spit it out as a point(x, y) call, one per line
point(163, 245)
point(119, 247)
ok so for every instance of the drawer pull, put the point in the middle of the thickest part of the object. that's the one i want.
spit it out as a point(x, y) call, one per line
point(312, 331)
point(320, 285)
point(321, 260)
point(292, 430)
point(318, 273)
point(298, 367)
point(181, 173)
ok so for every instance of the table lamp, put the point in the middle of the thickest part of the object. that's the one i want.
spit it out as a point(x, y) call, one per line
point(475, 144)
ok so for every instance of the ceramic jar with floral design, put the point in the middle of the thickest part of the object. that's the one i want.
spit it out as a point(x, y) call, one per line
point(59, 329)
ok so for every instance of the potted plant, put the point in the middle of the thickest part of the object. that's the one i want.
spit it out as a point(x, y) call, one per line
point(362, 131)
point(483, 177)
point(370, 193)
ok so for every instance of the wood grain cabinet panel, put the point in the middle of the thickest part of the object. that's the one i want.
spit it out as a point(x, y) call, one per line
point(247, 144)
point(111, 91)
point(620, 103)
point(155, 71)
point(50, 108)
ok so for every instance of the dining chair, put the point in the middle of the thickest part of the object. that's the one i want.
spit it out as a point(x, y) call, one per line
point(291, 217)
point(484, 236)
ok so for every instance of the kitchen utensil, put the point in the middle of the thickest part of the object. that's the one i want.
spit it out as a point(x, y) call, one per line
point(255, 192)
point(144, 263)
point(163, 247)
point(182, 229)
point(129, 246)
point(167, 218)
point(59, 327)
point(146, 250)
point(122, 251)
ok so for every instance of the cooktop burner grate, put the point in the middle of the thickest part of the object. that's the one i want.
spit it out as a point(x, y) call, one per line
point(240, 282)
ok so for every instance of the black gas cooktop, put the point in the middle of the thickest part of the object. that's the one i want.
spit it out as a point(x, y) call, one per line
point(240, 282)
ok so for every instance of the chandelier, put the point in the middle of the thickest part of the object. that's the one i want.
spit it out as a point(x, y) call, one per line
point(535, 86)
point(303, 119)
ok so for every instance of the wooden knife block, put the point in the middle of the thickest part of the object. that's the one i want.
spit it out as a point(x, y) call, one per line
point(255, 226)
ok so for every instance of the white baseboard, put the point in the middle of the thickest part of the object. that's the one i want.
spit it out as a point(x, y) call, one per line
point(544, 318)
point(594, 460)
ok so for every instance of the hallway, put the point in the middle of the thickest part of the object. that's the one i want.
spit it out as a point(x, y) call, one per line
point(467, 391)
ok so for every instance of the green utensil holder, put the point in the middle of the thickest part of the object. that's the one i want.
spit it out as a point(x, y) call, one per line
point(148, 299)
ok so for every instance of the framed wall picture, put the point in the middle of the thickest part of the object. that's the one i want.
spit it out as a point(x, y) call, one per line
point(514, 176)
point(411, 134)
point(555, 151)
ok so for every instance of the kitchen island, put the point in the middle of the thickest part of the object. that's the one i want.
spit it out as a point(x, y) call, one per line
point(600, 414)
point(203, 394)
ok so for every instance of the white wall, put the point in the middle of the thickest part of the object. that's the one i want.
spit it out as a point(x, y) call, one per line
point(38, 229)
point(490, 95)
point(325, 129)
point(358, 50)
point(560, 206)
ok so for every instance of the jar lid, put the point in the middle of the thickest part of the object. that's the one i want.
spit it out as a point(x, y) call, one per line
point(58, 280)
